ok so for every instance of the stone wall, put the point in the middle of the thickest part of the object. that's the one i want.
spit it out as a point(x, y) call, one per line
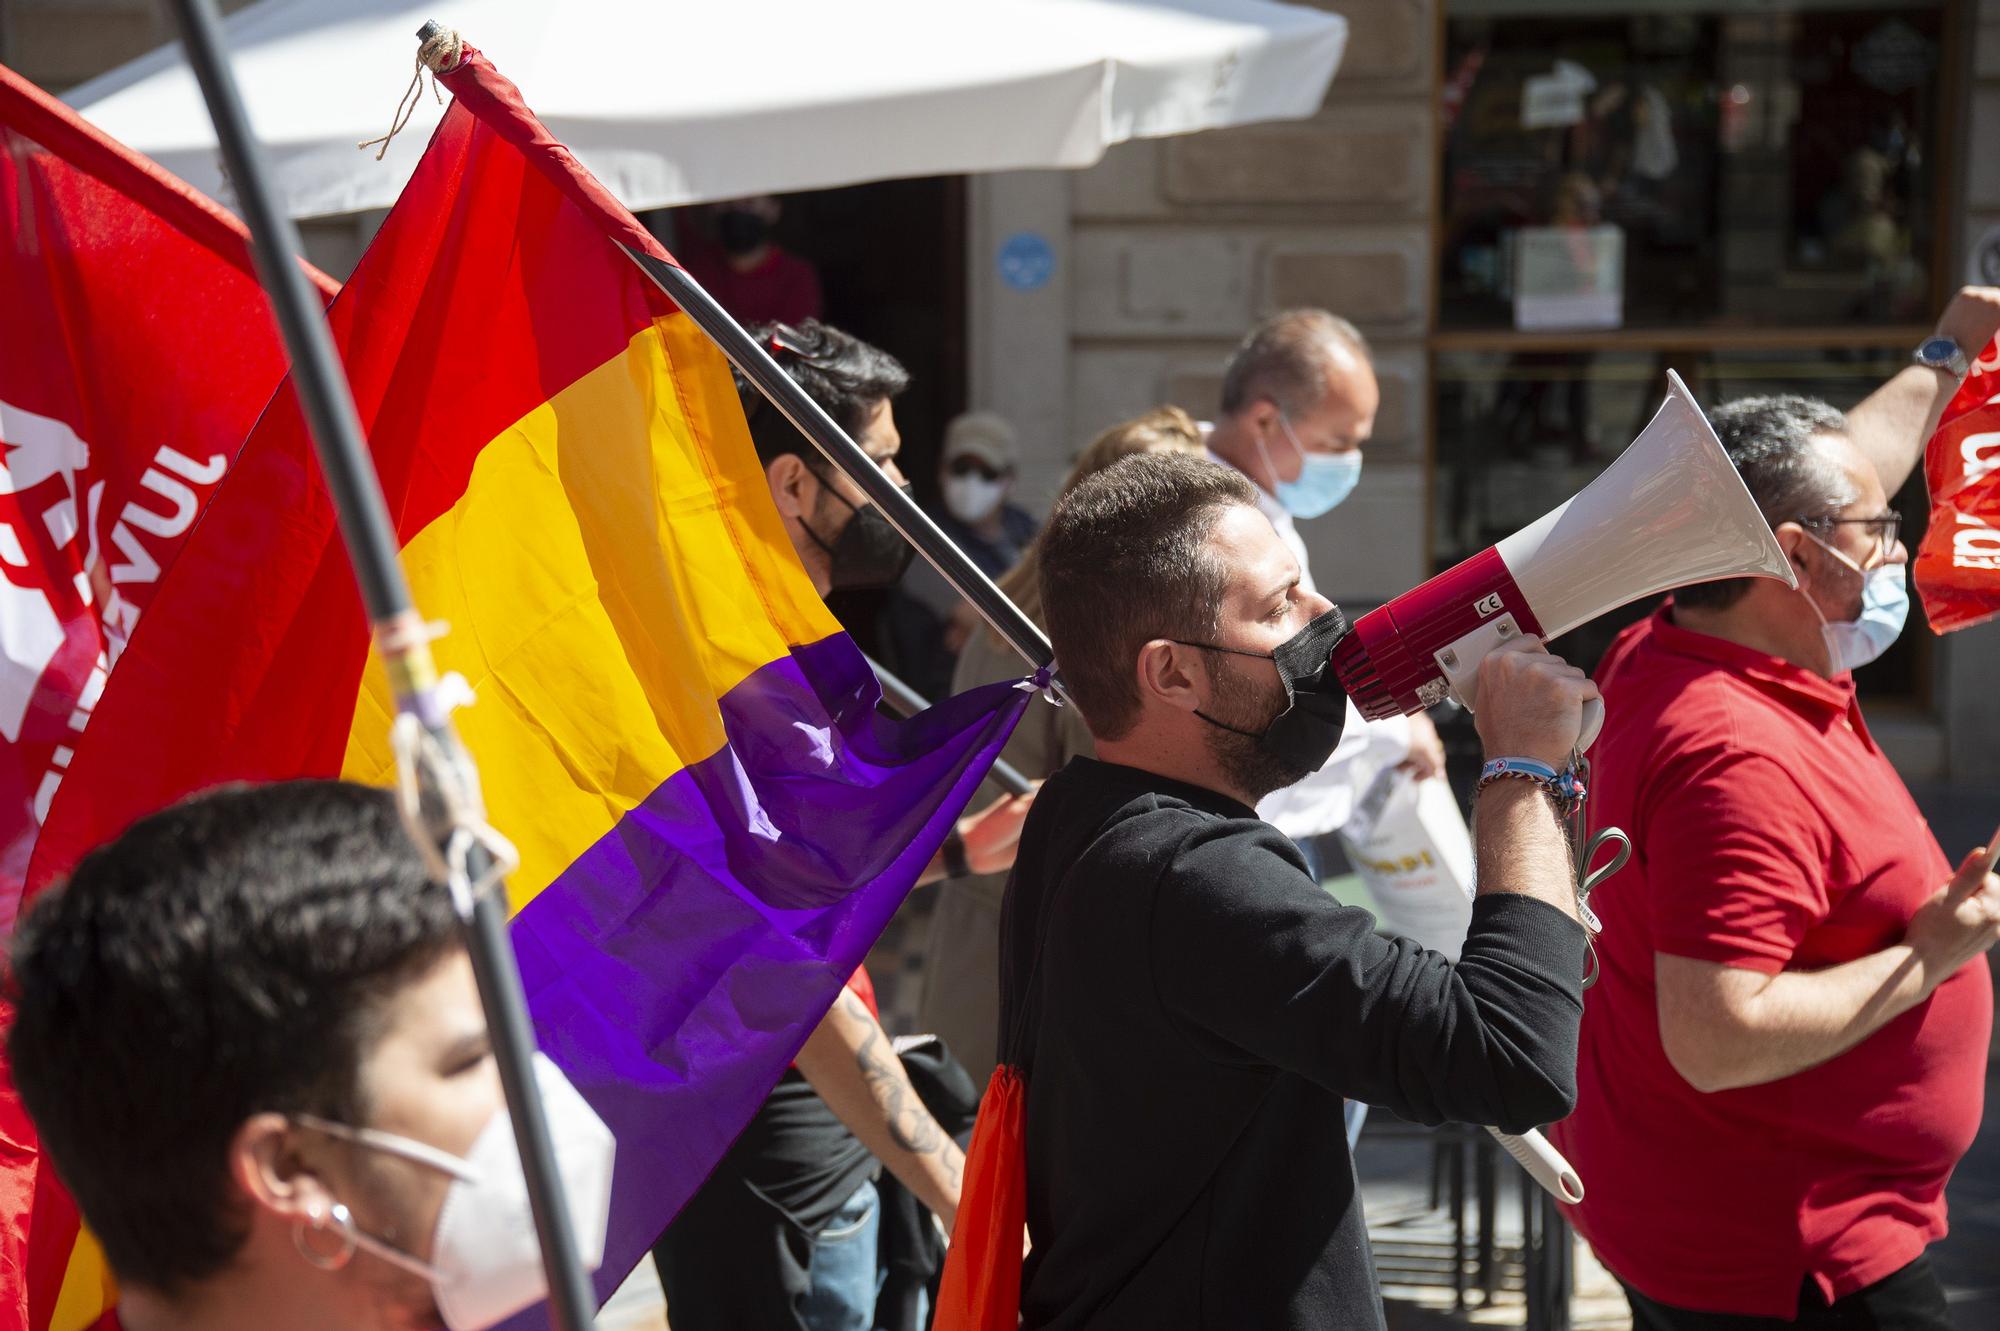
point(1169, 250)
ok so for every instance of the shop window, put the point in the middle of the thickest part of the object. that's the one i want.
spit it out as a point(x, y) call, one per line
point(1729, 165)
point(1750, 194)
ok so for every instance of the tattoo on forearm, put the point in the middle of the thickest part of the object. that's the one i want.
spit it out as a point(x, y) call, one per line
point(910, 1124)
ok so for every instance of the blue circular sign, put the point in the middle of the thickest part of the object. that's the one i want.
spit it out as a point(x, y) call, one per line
point(1026, 261)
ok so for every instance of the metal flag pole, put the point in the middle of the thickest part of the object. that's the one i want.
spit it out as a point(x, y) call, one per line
point(908, 702)
point(403, 640)
point(770, 379)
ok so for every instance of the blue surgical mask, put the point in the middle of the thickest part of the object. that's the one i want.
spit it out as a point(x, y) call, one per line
point(1324, 478)
point(1885, 605)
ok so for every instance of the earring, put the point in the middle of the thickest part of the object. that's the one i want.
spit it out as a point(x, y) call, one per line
point(318, 1220)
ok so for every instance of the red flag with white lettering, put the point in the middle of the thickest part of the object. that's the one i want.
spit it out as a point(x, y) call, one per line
point(136, 351)
point(1958, 565)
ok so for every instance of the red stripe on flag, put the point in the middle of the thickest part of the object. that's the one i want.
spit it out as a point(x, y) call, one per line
point(260, 630)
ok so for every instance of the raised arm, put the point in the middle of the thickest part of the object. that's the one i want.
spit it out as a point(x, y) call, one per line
point(1892, 424)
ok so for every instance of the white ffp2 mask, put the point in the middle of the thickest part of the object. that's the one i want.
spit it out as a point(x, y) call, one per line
point(486, 1262)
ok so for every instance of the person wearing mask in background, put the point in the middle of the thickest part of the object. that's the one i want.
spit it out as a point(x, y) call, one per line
point(1786, 1054)
point(248, 1035)
point(749, 273)
point(1299, 399)
point(961, 997)
point(927, 622)
point(783, 1233)
point(1298, 404)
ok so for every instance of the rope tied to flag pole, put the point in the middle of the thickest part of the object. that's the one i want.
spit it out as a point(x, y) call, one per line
point(440, 53)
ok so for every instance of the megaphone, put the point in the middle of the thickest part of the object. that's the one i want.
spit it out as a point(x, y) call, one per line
point(1670, 511)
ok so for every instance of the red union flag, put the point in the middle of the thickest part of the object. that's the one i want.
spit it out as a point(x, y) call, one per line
point(1958, 566)
point(136, 350)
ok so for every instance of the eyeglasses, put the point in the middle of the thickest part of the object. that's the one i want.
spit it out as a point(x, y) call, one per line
point(1887, 525)
point(967, 465)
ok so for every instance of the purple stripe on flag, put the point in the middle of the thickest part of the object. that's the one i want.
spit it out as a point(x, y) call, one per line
point(677, 966)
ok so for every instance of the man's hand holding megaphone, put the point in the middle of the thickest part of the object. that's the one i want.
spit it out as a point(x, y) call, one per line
point(1531, 703)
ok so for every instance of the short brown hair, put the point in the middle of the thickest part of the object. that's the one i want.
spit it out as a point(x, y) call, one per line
point(1285, 359)
point(1161, 430)
point(1124, 562)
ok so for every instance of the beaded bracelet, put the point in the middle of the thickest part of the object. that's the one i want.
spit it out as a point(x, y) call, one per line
point(1564, 786)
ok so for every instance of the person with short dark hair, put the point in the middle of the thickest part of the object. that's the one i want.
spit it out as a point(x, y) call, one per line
point(783, 1235)
point(1786, 1054)
point(1188, 1007)
point(248, 1035)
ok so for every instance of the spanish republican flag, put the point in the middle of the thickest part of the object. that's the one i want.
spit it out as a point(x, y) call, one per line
point(136, 351)
point(714, 823)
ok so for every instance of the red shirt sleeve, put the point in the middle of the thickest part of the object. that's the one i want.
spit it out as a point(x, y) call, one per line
point(1736, 861)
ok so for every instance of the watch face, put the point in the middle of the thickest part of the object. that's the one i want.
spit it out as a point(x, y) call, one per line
point(1938, 351)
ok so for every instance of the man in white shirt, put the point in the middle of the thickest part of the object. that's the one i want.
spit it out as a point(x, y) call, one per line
point(1298, 403)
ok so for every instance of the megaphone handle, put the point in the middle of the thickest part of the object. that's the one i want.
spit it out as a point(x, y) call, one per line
point(1593, 723)
point(1593, 718)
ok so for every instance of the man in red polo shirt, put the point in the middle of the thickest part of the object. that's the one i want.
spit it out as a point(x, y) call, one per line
point(1786, 1054)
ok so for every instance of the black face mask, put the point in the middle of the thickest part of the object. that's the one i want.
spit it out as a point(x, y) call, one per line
point(868, 552)
point(740, 232)
point(1304, 735)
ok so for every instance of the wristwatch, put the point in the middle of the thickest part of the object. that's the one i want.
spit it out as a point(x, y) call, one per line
point(1941, 353)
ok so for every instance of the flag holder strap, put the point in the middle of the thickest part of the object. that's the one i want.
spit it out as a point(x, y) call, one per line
point(403, 639)
point(755, 364)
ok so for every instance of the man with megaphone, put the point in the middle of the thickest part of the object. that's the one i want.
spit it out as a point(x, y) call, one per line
point(1184, 1003)
point(1787, 1052)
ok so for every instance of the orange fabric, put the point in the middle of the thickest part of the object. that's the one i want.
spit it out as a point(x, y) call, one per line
point(1957, 566)
point(981, 1290)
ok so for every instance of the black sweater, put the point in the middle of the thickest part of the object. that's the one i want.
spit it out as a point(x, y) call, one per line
point(1199, 1010)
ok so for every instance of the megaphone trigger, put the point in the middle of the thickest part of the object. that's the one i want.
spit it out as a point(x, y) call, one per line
point(1460, 665)
point(1669, 511)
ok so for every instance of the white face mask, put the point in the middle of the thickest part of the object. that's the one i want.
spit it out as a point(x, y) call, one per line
point(1885, 605)
point(972, 498)
point(486, 1263)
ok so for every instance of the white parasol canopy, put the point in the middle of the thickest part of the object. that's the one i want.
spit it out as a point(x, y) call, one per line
point(677, 102)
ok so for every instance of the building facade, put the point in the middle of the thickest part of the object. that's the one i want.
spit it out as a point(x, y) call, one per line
point(1533, 208)
point(1763, 198)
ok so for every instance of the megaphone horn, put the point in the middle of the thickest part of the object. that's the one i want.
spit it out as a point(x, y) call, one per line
point(1669, 512)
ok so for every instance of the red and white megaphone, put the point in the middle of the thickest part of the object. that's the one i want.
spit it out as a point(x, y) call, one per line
point(1670, 511)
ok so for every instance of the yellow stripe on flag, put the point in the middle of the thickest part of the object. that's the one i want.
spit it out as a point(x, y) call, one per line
point(87, 1287)
point(614, 567)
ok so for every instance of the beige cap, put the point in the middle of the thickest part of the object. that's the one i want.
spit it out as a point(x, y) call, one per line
point(981, 434)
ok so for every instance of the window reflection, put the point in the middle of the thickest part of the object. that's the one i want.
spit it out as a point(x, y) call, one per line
point(1698, 165)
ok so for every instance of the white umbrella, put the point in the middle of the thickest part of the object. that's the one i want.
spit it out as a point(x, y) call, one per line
point(673, 103)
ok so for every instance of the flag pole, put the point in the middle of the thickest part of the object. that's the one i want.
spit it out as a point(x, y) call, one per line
point(402, 640)
point(907, 702)
point(754, 362)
